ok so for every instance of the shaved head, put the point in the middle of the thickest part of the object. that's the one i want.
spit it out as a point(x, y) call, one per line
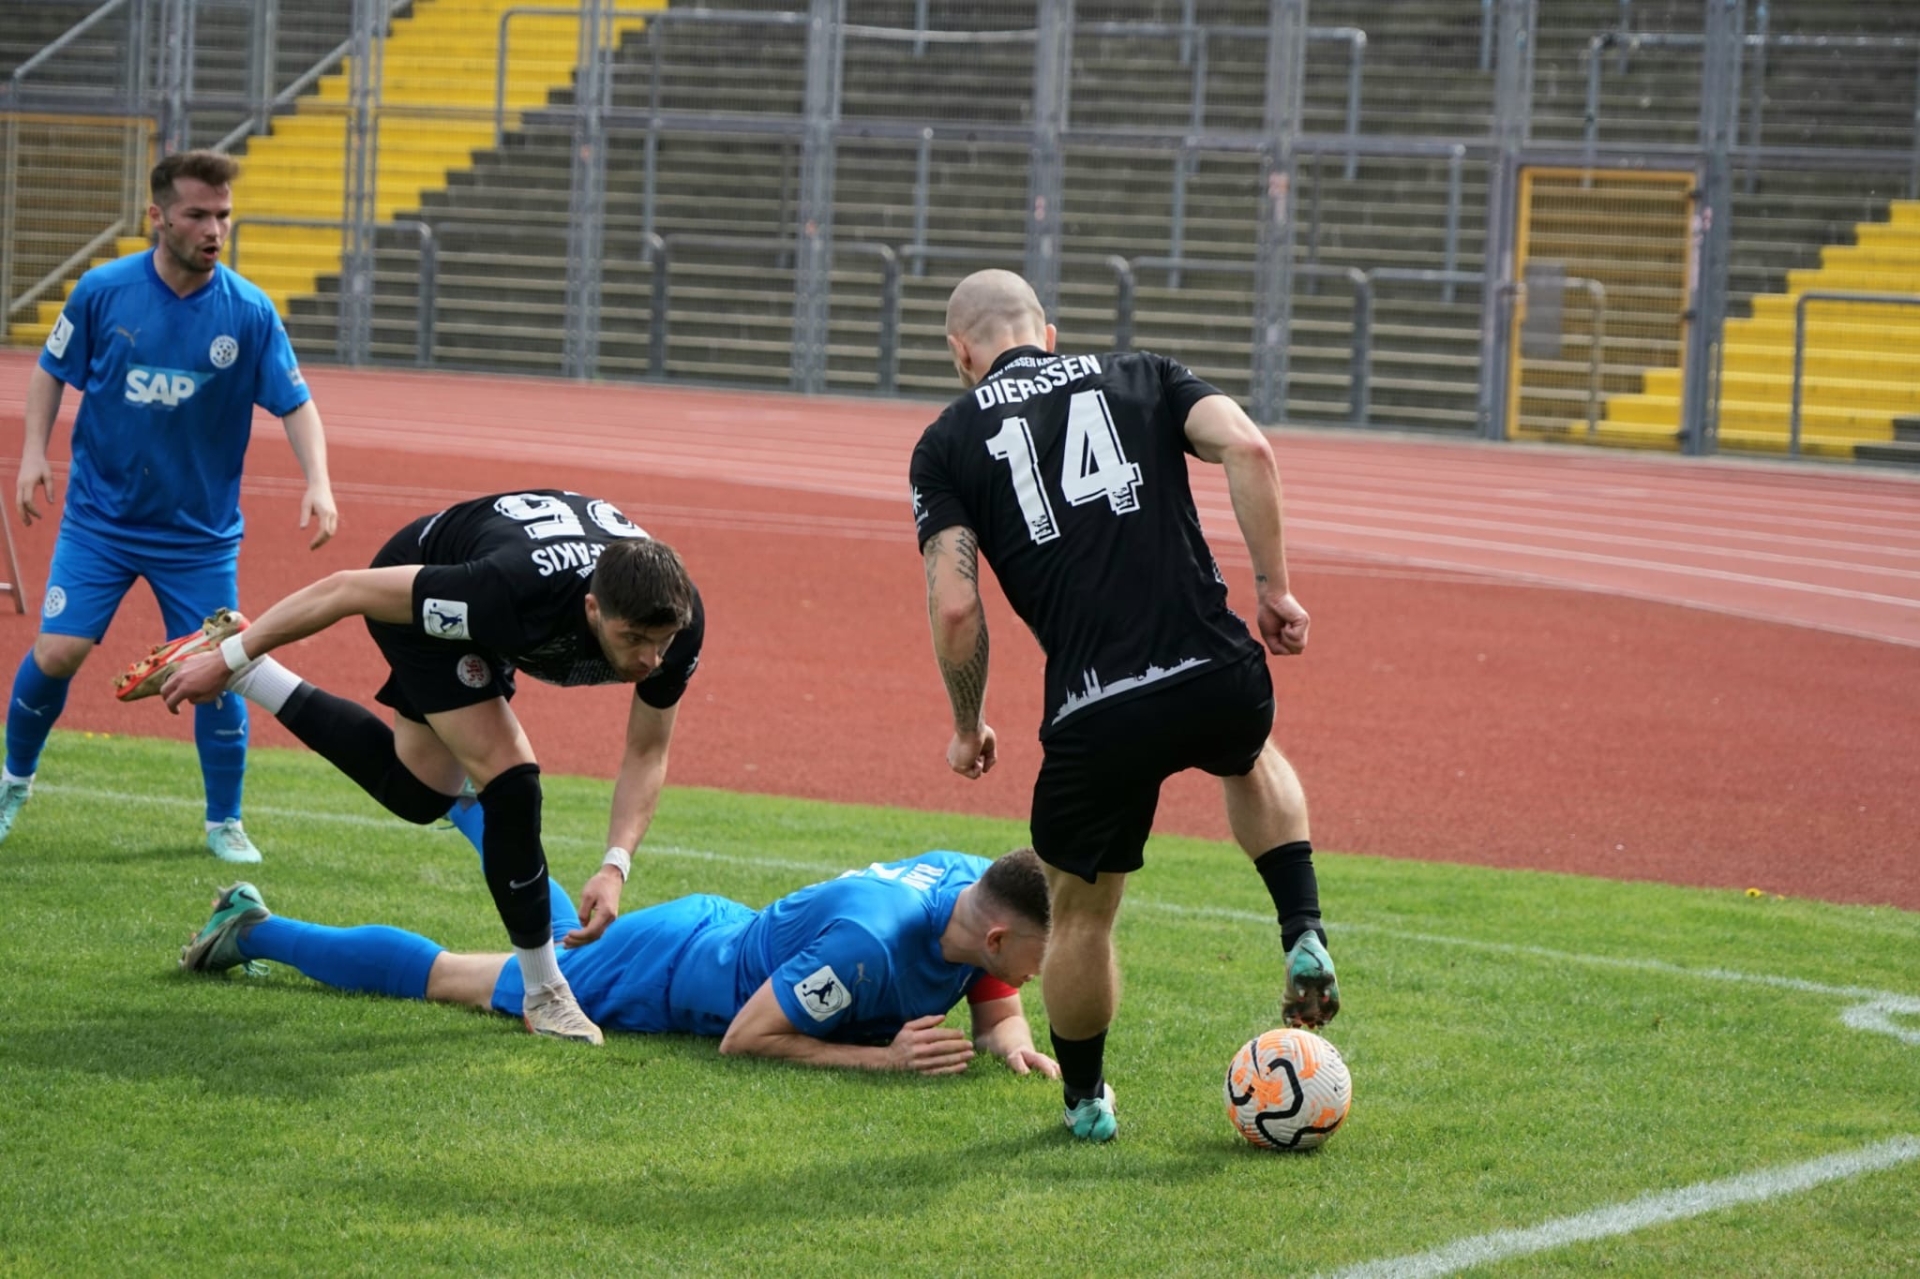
point(994, 306)
point(990, 313)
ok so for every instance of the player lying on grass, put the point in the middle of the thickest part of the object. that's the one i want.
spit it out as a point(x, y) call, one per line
point(858, 971)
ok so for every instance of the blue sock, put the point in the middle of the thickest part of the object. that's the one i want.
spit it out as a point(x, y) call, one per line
point(471, 820)
point(37, 701)
point(220, 732)
point(372, 959)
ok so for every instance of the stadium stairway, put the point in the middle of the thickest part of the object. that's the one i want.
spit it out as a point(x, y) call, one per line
point(501, 223)
point(1861, 393)
point(437, 96)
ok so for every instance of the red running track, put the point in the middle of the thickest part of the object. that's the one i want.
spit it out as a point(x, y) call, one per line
point(1640, 667)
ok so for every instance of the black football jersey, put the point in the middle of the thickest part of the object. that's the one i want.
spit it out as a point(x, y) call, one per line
point(509, 573)
point(1072, 471)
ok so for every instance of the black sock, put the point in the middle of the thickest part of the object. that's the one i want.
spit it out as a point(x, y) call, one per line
point(360, 744)
point(1288, 872)
point(512, 855)
point(1081, 1062)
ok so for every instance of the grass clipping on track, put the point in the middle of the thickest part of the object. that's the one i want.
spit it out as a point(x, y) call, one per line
point(1524, 1046)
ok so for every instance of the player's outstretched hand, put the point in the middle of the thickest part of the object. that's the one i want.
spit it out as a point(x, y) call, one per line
point(1283, 624)
point(198, 679)
point(1023, 1061)
point(33, 474)
point(973, 755)
point(318, 505)
point(599, 907)
point(927, 1047)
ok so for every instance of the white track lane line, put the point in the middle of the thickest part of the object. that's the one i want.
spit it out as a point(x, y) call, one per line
point(1653, 1209)
point(1611, 561)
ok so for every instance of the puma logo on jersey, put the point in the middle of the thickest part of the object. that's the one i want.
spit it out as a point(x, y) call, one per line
point(166, 387)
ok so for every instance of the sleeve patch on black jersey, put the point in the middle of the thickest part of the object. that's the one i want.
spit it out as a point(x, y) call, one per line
point(445, 619)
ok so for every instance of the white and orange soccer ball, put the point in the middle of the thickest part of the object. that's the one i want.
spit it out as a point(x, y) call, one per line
point(1288, 1090)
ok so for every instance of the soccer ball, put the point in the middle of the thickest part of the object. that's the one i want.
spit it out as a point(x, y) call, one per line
point(1288, 1090)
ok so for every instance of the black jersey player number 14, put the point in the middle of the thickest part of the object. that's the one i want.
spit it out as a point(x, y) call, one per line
point(1093, 465)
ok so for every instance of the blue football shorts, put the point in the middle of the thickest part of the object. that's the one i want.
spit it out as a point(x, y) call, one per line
point(91, 574)
point(623, 980)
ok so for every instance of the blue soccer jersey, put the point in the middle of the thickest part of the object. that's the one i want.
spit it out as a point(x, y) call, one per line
point(853, 959)
point(169, 386)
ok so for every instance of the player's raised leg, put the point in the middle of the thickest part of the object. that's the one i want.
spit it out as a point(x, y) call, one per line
point(1267, 811)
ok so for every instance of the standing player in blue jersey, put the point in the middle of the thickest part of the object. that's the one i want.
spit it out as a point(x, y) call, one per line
point(858, 971)
point(170, 351)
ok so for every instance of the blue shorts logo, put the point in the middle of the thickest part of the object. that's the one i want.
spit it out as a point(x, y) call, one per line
point(168, 388)
point(56, 602)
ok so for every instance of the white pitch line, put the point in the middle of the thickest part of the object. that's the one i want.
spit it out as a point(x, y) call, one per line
point(1648, 1210)
point(1874, 1010)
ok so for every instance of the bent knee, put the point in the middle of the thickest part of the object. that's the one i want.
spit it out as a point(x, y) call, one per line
point(60, 656)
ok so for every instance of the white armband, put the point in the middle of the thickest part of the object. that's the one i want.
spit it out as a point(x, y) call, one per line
point(234, 652)
point(620, 860)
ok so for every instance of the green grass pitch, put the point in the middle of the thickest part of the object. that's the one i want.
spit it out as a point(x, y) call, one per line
point(1525, 1047)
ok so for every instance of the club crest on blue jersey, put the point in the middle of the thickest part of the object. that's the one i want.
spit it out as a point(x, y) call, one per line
point(167, 388)
point(224, 351)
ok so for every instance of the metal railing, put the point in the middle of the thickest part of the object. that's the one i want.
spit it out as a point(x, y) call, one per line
point(1800, 344)
point(1758, 42)
point(656, 19)
point(660, 251)
point(1361, 281)
point(69, 36)
point(58, 276)
point(262, 115)
point(425, 292)
point(1513, 292)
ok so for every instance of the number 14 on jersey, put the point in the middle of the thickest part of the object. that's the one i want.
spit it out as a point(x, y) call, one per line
point(1092, 465)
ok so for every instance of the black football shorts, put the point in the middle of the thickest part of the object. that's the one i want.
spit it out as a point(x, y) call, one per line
point(1099, 783)
point(429, 675)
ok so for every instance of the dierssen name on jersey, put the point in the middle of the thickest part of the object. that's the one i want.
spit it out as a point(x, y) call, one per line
point(1049, 375)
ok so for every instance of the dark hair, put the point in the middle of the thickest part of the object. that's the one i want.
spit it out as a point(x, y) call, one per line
point(643, 583)
point(1017, 883)
point(210, 167)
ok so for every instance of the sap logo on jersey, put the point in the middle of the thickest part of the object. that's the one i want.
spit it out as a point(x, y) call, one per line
point(168, 388)
point(822, 993)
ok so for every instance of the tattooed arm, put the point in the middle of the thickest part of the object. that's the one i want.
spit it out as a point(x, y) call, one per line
point(960, 644)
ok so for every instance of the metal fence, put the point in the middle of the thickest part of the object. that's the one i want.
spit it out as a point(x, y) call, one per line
point(1315, 204)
